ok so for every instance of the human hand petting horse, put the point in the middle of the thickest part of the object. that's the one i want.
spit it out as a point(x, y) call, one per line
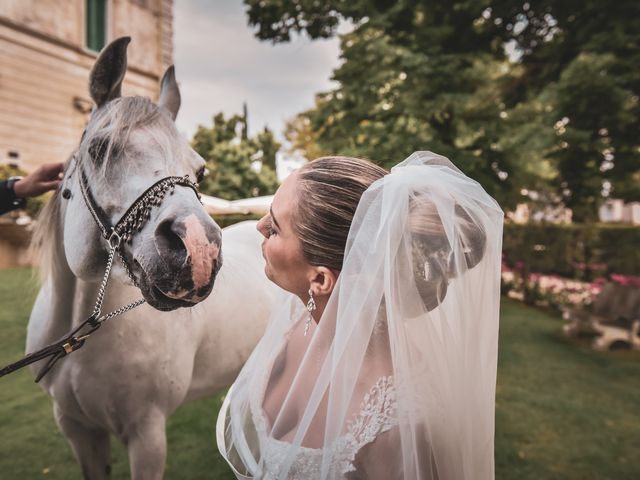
point(129, 190)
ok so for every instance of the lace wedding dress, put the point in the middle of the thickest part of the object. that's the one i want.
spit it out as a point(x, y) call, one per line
point(397, 380)
point(377, 415)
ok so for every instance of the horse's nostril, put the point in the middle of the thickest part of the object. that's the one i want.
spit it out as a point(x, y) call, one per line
point(169, 243)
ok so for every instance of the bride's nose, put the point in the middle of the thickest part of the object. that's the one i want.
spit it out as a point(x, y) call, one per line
point(261, 226)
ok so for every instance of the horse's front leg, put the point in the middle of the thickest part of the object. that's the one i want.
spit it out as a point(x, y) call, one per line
point(146, 442)
point(90, 446)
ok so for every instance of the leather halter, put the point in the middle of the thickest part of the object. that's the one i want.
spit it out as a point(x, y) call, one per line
point(136, 215)
point(131, 222)
point(122, 228)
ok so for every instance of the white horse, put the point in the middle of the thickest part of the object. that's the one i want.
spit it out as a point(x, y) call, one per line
point(138, 368)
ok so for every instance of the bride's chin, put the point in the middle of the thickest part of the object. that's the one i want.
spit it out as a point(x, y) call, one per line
point(267, 272)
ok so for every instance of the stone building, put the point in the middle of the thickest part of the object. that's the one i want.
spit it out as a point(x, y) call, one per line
point(47, 48)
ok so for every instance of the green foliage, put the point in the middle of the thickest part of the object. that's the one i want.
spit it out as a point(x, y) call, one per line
point(7, 170)
point(303, 139)
point(239, 166)
point(558, 115)
point(573, 251)
point(410, 82)
point(579, 60)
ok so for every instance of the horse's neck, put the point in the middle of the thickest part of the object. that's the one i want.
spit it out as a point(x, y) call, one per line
point(66, 300)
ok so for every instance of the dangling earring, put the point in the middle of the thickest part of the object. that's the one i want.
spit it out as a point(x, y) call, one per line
point(311, 306)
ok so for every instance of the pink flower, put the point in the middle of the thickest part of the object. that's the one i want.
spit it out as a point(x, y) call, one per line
point(626, 280)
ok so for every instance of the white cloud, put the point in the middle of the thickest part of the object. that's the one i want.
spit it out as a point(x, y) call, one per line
point(220, 65)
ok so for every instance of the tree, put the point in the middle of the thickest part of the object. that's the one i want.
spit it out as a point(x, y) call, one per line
point(409, 81)
point(302, 138)
point(239, 166)
point(520, 97)
point(580, 59)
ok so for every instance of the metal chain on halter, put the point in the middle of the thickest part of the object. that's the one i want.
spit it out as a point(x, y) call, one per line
point(131, 222)
point(76, 338)
point(122, 310)
point(103, 286)
point(114, 244)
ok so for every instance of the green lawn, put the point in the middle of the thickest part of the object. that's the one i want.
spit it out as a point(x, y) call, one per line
point(563, 411)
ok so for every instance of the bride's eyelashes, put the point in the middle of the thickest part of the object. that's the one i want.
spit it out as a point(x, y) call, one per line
point(270, 229)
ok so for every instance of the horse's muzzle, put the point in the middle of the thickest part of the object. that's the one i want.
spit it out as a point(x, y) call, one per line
point(187, 262)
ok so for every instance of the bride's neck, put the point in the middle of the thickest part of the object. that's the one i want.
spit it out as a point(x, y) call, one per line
point(321, 303)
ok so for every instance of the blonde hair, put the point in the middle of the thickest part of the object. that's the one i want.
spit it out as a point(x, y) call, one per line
point(434, 258)
point(328, 193)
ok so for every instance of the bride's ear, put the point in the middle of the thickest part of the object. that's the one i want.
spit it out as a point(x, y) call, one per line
point(323, 281)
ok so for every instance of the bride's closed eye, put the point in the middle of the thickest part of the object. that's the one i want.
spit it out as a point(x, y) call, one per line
point(269, 228)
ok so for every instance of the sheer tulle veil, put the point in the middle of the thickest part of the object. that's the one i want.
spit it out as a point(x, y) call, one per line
point(398, 377)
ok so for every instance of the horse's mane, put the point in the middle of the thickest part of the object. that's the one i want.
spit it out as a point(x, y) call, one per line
point(108, 131)
point(45, 235)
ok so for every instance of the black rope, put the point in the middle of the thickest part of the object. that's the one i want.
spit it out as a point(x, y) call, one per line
point(71, 342)
point(74, 340)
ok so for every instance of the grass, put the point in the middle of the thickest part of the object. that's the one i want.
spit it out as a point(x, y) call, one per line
point(563, 410)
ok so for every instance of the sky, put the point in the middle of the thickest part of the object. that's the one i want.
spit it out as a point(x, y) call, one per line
point(220, 65)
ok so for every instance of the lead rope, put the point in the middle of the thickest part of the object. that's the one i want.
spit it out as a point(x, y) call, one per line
point(77, 337)
point(132, 220)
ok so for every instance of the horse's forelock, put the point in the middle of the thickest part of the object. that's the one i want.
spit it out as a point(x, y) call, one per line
point(111, 126)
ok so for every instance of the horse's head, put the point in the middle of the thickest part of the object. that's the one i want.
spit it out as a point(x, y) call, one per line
point(129, 144)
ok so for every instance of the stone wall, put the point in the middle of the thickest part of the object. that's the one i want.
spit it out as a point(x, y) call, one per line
point(44, 70)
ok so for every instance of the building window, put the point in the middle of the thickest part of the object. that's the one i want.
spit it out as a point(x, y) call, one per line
point(96, 24)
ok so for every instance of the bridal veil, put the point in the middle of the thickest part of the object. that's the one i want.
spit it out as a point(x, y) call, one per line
point(398, 377)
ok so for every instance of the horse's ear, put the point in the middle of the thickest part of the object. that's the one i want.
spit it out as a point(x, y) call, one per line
point(169, 92)
point(106, 77)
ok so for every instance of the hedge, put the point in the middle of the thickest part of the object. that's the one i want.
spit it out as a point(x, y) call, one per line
point(576, 251)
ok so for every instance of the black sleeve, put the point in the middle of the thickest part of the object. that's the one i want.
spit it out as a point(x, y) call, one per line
point(8, 200)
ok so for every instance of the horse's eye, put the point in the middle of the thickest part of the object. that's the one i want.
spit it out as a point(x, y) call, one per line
point(200, 174)
point(98, 150)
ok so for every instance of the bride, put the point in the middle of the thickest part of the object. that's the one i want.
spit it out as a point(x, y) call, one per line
point(380, 359)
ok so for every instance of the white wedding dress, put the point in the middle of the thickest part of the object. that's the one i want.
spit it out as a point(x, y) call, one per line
point(377, 414)
point(397, 379)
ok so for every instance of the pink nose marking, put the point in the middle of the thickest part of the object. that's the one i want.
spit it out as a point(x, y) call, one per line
point(202, 252)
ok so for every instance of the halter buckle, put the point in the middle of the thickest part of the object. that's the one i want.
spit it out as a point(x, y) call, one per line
point(114, 239)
